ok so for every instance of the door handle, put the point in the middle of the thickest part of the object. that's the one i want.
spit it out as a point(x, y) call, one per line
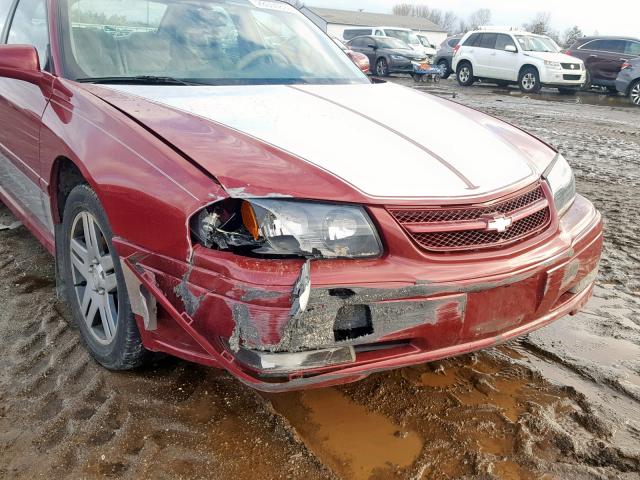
point(624, 60)
point(593, 56)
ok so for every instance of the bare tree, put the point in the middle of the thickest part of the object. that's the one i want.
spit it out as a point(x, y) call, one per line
point(479, 18)
point(571, 35)
point(403, 9)
point(449, 22)
point(446, 20)
point(540, 24)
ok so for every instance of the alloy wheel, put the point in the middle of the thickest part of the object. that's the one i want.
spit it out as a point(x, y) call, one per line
point(94, 278)
point(381, 68)
point(528, 81)
point(464, 74)
point(635, 93)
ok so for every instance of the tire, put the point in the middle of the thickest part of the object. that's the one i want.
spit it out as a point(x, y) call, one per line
point(94, 284)
point(529, 80)
point(464, 74)
point(567, 91)
point(586, 86)
point(382, 67)
point(445, 68)
point(634, 93)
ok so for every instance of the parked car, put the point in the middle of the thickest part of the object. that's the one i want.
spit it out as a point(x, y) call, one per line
point(604, 57)
point(203, 195)
point(628, 81)
point(360, 59)
point(429, 49)
point(387, 55)
point(405, 35)
point(444, 55)
point(509, 57)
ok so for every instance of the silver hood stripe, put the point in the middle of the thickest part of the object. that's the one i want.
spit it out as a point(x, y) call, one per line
point(385, 140)
point(467, 182)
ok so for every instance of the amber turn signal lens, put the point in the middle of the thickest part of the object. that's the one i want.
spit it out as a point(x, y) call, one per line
point(249, 220)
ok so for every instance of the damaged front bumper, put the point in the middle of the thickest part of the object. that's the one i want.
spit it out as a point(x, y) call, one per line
point(276, 328)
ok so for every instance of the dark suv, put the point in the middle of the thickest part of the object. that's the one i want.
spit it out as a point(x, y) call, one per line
point(604, 57)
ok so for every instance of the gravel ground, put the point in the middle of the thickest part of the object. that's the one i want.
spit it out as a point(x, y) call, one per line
point(561, 403)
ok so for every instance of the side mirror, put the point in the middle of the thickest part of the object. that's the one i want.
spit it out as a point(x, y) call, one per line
point(511, 48)
point(20, 62)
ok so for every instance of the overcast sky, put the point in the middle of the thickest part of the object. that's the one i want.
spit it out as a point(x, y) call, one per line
point(618, 17)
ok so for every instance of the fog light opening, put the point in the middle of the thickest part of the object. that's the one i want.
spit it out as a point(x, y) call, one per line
point(352, 321)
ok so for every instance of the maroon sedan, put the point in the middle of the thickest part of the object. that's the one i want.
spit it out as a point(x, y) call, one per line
point(191, 165)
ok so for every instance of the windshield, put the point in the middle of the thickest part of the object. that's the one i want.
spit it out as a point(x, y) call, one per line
point(530, 43)
point(425, 42)
point(212, 42)
point(407, 37)
point(386, 42)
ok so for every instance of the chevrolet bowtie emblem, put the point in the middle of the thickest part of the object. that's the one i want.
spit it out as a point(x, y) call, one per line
point(499, 224)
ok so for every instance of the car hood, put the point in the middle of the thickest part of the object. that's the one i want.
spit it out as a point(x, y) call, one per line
point(554, 57)
point(405, 52)
point(383, 140)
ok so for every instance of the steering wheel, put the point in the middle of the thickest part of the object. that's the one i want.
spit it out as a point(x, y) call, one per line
point(248, 59)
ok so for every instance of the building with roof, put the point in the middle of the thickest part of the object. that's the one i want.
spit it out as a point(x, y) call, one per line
point(335, 22)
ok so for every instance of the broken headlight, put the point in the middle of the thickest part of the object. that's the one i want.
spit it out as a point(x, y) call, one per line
point(287, 228)
point(562, 182)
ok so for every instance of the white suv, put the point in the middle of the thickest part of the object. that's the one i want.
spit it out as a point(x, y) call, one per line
point(511, 56)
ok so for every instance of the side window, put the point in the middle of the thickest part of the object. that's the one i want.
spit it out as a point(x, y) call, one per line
point(453, 42)
point(633, 48)
point(379, 33)
point(504, 40)
point(29, 27)
point(5, 6)
point(617, 46)
point(349, 34)
point(358, 43)
point(353, 33)
point(472, 41)
point(488, 40)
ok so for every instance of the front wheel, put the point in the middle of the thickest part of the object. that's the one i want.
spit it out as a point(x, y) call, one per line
point(382, 68)
point(444, 68)
point(529, 81)
point(634, 93)
point(94, 284)
point(465, 75)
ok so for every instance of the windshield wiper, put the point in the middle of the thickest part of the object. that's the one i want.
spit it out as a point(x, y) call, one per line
point(142, 79)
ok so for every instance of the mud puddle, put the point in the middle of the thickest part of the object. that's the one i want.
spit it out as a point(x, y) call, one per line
point(354, 441)
point(478, 415)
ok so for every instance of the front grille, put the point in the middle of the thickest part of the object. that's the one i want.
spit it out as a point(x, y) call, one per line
point(567, 66)
point(461, 228)
point(572, 77)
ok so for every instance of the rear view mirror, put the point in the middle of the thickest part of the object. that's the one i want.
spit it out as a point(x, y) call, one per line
point(511, 48)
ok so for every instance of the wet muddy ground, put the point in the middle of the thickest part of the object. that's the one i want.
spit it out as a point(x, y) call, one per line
point(561, 403)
